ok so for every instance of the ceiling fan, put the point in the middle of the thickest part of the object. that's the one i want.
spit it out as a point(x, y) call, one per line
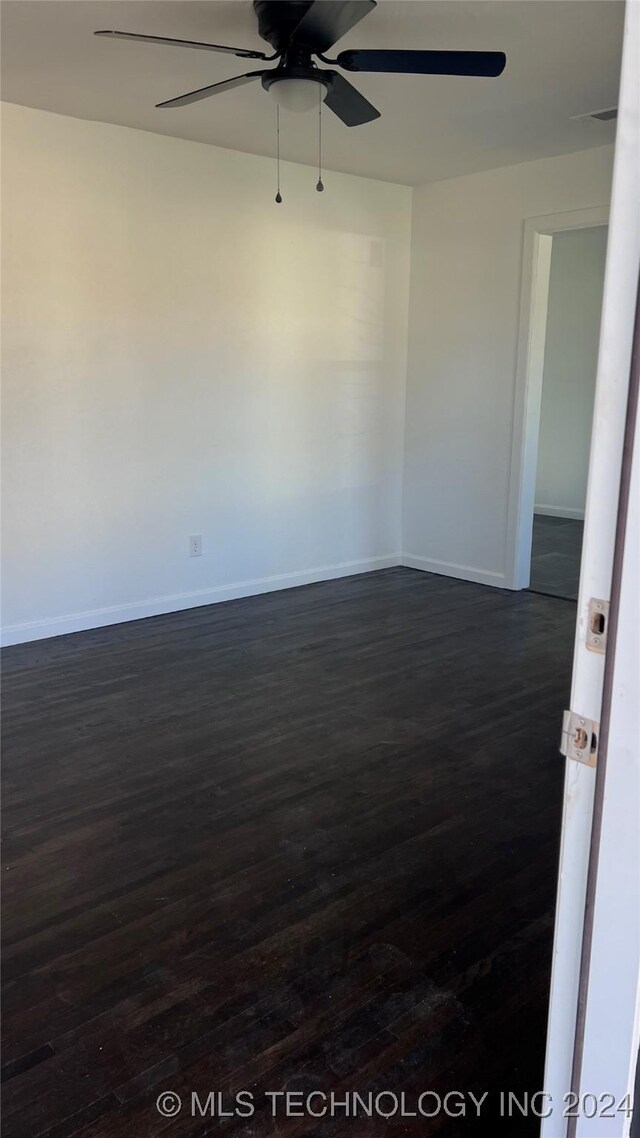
point(301, 29)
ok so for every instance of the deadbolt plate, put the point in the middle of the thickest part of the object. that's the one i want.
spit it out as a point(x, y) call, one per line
point(579, 738)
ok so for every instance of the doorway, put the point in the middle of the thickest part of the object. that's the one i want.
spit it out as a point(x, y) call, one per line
point(576, 280)
point(561, 301)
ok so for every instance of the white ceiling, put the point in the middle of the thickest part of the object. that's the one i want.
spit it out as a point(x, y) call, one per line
point(563, 59)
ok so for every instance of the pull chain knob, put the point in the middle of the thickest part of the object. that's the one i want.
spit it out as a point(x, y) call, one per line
point(320, 183)
point(278, 194)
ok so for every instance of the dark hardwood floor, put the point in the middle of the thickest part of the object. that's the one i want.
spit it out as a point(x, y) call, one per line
point(303, 841)
point(555, 556)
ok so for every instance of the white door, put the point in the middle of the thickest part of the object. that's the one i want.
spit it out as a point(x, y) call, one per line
point(594, 1019)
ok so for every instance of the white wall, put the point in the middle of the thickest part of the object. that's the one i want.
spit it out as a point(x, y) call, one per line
point(466, 259)
point(181, 355)
point(570, 363)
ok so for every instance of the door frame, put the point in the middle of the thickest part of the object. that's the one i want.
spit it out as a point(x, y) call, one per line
point(534, 298)
point(594, 1009)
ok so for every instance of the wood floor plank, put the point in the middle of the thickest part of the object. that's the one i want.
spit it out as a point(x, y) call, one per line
point(307, 839)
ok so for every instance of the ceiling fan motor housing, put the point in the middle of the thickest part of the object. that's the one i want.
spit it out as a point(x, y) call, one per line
point(278, 21)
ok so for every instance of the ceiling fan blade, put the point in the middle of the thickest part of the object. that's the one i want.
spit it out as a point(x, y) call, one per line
point(347, 103)
point(488, 63)
point(214, 89)
point(327, 21)
point(244, 53)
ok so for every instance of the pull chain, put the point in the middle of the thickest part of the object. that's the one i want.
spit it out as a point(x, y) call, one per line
point(319, 184)
point(278, 195)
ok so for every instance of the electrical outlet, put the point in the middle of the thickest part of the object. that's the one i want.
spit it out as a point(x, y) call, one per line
point(195, 545)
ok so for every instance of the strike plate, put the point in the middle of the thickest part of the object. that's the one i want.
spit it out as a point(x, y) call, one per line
point(579, 738)
point(598, 625)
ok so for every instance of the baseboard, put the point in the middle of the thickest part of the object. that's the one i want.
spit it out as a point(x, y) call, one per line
point(156, 606)
point(559, 512)
point(451, 569)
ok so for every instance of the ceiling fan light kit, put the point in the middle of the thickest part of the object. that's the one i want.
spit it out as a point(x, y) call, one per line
point(293, 94)
point(298, 31)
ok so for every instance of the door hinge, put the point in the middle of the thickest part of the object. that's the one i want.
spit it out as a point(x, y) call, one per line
point(598, 625)
point(579, 738)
